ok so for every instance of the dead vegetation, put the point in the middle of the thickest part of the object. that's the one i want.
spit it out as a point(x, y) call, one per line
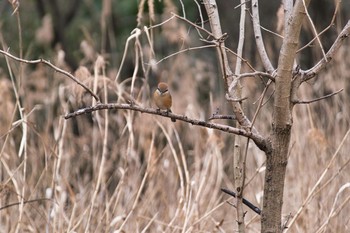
point(125, 171)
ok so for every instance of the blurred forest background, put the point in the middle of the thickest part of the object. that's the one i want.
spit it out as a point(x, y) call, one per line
point(146, 174)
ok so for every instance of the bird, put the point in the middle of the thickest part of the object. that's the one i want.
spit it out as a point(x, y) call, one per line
point(162, 98)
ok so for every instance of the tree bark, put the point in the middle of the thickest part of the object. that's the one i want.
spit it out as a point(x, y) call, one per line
point(277, 159)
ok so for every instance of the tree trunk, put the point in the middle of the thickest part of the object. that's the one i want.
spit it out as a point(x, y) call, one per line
point(276, 160)
point(276, 164)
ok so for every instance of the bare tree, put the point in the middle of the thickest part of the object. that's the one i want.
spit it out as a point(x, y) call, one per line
point(286, 78)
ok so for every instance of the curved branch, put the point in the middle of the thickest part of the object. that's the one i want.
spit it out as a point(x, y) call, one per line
point(344, 34)
point(258, 38)
point(260, 141)
point(40, 60)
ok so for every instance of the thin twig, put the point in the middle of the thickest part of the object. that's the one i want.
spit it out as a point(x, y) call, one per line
point(40, 60)
point(245, 201)
point(261, 103)
point(183, 8)
point(24, 202)
point(324, 30)
point(317, 99)
point(160, 24)
point(185, 50)
point(244, 60)
point(314, 31)
point(272, 32)
point(239, 5)
point(311, 73)
point(195, 25)
point(200, 13)
point(284, 225)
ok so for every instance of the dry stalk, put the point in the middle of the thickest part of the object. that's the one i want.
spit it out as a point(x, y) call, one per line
point(99, 65)
point(313, 190)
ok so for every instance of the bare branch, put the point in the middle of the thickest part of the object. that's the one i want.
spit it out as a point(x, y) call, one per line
point(324, 30)
point(160, 24)
point(200, 16)
point(241, 38)
point(195, 25)
point(216, 116)
point(40, 60)
point(214, 19)
point(317, 99)
point(271, 32)
point(284, 225)
point(344, 34)
point(256, 74)
point(261, 142)
point(258, 38)
point(239, 171)
point(183, 8)
point(244, 60)
point(185, 50)
point(288, 8)
point(245, 201)
point(235, 100)
point(242, 3)
point(261, 103)
point(314, 31)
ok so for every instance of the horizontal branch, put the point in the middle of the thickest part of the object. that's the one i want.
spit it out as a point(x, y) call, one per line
point(40, 60)
point(256, 74)
point(216, 116)
point(260, 141)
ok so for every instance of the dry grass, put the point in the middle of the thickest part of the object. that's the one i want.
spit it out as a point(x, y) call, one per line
point(133, 172)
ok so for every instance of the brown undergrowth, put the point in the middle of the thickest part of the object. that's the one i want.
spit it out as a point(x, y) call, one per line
point(133, 172)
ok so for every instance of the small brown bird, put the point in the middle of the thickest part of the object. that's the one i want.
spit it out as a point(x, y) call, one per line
point(162, 98)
